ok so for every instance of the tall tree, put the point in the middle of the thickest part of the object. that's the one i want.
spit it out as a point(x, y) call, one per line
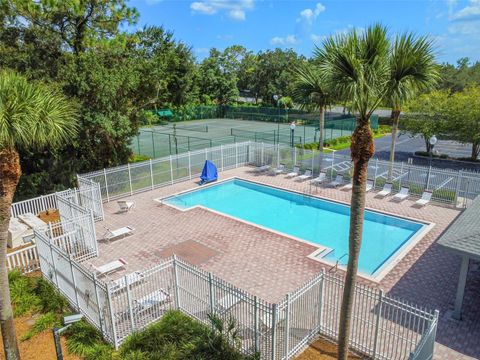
point(463, 118)
point(412, 70)
point(312, 92)
point(218, 78)
point(78, 22)
point(426, 115)
point(357, 67)
point(31, 115)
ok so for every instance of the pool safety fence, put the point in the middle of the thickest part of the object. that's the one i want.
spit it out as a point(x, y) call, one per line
point(458, 188)
point(382, 328)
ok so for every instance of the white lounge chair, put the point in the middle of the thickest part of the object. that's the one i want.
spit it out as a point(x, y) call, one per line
point(402, 194)
point(227, 302)
point(369, 186)
point(337, 182)
point(426, 197)
point(148, 302)
point(294, 173)
point(118, 233)
point(387, 190)
point(279, 170)
point(125, 206)
point(110, 267)
point(347, 186)
point(320, 179)
point(120, 284)
point(305, 176)
point(262, 168)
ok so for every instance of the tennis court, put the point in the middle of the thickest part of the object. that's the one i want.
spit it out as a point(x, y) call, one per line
point(178, 137)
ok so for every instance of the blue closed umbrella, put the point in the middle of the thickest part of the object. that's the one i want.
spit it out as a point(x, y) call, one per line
point(209, 172)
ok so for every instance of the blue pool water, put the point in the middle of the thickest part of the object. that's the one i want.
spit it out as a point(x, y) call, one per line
point(318, 221)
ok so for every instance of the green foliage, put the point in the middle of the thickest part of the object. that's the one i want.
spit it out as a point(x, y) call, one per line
point(51, 301)
point(22, 293)
point(138, 158)
point(458, 77)
point(178, 337)
point(32, 294)
point(84, 340)
point(33, 115)
point(44, 322)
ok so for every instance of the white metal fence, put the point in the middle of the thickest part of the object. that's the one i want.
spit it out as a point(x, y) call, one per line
point(383, 327)
point(24, 259)
point(78, 209)
point(79, 285)
point(35, 205)
point(448, 186)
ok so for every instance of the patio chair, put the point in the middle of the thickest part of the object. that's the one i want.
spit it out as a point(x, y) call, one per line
point(402, 194)
point(294, 172)
point(387, 190)
point(262, 168)
point(118, 233)
point(125, 206)
point(306, 175)
point(347, 186)
point(279, 169)
point(320, 179)
point(120, 284)
point(151, 301)
point(337, 182)
point(226, 303)
point(110, 267)
point(369, 186)
point(426, 198)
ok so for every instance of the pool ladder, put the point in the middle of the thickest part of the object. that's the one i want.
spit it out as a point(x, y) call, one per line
point(337, 263)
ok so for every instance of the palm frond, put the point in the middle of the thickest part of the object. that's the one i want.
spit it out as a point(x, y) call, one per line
point(32, 114)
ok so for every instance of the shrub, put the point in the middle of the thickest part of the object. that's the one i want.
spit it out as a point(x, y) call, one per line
point(44, 322)
point(22, 293)
point(50, 300)
point(84, 340)
point(178, 337)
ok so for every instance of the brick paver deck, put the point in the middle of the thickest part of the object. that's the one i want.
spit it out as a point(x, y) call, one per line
point(270, 265)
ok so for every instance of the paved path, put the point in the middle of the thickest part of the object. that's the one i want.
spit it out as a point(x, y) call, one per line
point(406, 146)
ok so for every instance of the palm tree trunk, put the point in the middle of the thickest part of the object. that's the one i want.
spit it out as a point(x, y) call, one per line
point(10, 172)
point(321, 128)
point(395, 120)
point(362, 150)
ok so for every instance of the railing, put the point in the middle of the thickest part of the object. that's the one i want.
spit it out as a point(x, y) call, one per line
point(382, 327)
point(130, 179)
point(24, 259)
point(448, 186)
point(34, 206)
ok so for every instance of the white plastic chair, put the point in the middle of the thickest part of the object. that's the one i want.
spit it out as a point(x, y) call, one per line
point(294, 173)
point(402, 194)
point(279, 170)
point(387, 190)
point(125, 206)
point(426, 198)
point(369, 186)
point(337, 182)
point(320, 179)
point(110, 267)
point(118, 233)
point(305, 176)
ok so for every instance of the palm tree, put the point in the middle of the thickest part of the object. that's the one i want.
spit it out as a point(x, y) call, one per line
point(412, 70)
point(311, 91)
point(31, 115)
point(356, 65)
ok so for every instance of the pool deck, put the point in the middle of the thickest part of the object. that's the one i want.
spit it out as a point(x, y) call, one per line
point(269, 265)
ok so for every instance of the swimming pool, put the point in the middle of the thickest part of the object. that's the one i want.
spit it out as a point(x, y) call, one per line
point(321, 222)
